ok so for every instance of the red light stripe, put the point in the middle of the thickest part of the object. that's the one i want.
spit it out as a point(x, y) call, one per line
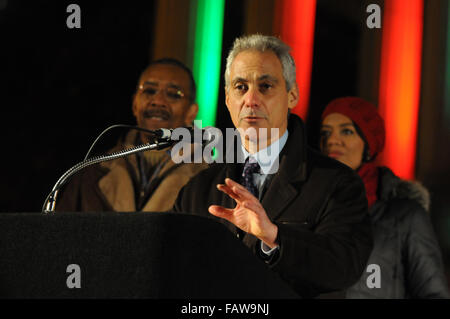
point(294, 21)
point(400, 73)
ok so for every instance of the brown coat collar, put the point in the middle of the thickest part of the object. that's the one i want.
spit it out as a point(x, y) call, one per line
point(118, 184)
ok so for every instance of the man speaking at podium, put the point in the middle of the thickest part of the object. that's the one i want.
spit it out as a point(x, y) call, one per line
point(149, 181)
point(307, 218)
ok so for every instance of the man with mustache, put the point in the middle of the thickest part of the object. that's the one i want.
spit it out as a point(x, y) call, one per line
point(307, 219)
point(148, 181)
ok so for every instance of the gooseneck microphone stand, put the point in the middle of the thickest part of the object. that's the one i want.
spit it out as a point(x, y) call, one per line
point(50, 201)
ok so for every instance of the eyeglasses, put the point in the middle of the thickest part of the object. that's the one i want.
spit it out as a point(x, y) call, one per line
point(170, 93)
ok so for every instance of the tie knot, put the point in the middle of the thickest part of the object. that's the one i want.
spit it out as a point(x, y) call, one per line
point(251, 166)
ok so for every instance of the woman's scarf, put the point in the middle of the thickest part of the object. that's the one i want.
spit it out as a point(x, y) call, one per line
point(369, 174)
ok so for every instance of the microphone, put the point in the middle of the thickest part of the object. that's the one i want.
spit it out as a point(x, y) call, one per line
point(195, 135)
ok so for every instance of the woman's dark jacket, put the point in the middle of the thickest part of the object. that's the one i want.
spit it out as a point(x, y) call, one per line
point(406, 253)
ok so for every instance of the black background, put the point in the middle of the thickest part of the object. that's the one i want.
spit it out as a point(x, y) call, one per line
point(61, 87)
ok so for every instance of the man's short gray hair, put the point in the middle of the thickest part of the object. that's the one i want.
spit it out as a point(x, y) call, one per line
point(263, 43)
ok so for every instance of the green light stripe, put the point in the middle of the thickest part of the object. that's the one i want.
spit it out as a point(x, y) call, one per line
point(447, 71)
point(207, 55)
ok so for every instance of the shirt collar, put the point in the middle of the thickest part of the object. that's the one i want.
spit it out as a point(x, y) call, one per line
point(268, 156)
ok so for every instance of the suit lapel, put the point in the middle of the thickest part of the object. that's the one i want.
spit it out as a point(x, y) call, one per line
point(278, 196)
point(292, 171)
point(234, 172)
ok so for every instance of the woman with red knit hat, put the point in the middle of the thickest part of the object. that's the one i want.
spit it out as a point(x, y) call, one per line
point(406, 260)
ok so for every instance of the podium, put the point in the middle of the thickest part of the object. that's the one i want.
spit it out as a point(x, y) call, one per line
point(129, 255)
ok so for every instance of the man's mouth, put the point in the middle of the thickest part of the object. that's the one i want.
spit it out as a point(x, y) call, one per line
point(158, 115)
point(253, 118)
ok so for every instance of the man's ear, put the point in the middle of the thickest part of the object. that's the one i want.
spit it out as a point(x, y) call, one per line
point(191, 114)
point(293, 96)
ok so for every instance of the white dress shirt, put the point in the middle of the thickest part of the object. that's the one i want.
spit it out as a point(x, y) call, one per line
point(268, 160)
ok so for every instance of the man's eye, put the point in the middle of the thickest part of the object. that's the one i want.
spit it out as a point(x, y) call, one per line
point(174, 94)
point(264, 87)
point(241, 87)
point(149, 91)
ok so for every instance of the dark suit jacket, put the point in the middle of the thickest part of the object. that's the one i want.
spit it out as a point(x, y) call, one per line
point(319, 206)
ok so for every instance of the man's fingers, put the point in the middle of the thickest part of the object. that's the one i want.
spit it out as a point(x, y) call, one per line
point(220, 211)
point(227, 190)
point(231, 184)
point(242, 192)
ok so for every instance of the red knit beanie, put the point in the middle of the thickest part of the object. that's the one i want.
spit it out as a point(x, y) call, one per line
point(365, 115)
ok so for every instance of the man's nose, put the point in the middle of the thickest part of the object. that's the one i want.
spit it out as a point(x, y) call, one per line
point(159, 98)
point(252, 97)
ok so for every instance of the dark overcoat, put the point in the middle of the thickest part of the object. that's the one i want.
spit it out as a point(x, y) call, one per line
point(319, 206)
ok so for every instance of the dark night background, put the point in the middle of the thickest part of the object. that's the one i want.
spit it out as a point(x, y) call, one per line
point(61, 87)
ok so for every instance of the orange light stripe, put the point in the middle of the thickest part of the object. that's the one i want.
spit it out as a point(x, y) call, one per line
point(400, 83)
point(294, 21)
